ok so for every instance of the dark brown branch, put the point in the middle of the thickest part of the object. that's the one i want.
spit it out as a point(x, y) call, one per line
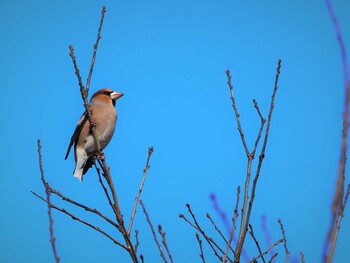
point(302, 258)
point(266, 251)
point(48, 200)
point(236, 112)
point(256, 106)
point(251, 232)
point(86, 208)
point(82, 221)
point(235, 216)
point(150, 151)
point(213, 245)
point(220, 233)
point(284, 240)
point(103, 186)
point(273, 256)
point(153, 232)
point(95, 50)
point(137, 243)
point(162, 234)
point(201, 254)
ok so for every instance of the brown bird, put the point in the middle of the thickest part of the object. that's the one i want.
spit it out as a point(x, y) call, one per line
point(104, 119)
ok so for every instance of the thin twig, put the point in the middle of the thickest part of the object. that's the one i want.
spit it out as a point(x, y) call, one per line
point(48, 200)
point(235, 216)
point(284, 240)
point(160, 230)
point(251, 232)
point(201, 254)
point(86, 208)
point(153, 232)
point(209, 240)
point(302, 258)
point(220, 233)
point(82, 221)
point(273, 256)
point(236, 112)
point(150, 151)
point(256, 106)
point(137, 243)
point(266, 251)
point(103, 186)
point(95, 49)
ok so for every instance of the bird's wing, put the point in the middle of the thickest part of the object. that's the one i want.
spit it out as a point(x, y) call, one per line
point(77, 131)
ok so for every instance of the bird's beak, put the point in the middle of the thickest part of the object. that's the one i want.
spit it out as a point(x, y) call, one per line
point(116, 95)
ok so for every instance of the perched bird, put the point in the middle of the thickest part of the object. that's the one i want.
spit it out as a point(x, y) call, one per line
point(103, 118)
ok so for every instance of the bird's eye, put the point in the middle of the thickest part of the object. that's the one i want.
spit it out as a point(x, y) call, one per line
point(106, 93)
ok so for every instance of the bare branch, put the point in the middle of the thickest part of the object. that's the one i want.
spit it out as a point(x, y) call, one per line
point(201, 254)
point(235, 216)
point(251, 232)
point(86, 208)
point(137, 240)
point(261, 127)
point(284, 240)
point(164, 243)
point(150, 151)
point(273, 256)
point(48, 200)
point(302, 258)
point(209, 240)
point(82, 221)
point(153, 232)
point(95, 50)
point(236, 112)
point(266, 251)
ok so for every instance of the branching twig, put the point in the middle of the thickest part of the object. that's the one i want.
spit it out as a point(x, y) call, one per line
point(137, 243)
point(251, 232)
point(48, 200)
point(213, 245)
point(284, 240)
point(244, 226)
point(86, 208)
point(266, 251)
point(153, 232)
point(162, 234)
point(82, 221)
point(201, 254)
point(150, 151)
point(235, 216)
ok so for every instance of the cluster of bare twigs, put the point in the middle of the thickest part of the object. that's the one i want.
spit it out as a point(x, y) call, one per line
point(105, 179)
point(224, 254)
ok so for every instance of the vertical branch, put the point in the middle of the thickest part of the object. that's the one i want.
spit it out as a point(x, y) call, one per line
point(150, 151)
point(251, 232)
point(48, 199)
point(162, 234)
point(201, 254)
point(284, 240)
point(153, 232)
point(338, 199)
point(235, 216)
point(95, 49)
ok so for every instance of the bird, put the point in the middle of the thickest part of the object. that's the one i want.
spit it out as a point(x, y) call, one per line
point(104, 118)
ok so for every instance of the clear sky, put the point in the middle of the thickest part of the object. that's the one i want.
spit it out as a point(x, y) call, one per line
point(170, 58)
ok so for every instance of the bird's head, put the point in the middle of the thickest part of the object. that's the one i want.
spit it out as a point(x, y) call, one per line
point(106, 96)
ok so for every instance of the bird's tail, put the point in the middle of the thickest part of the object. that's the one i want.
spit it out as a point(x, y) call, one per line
point(78, 173)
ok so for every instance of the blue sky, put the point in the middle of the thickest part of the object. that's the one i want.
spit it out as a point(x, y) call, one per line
point(170, 58)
